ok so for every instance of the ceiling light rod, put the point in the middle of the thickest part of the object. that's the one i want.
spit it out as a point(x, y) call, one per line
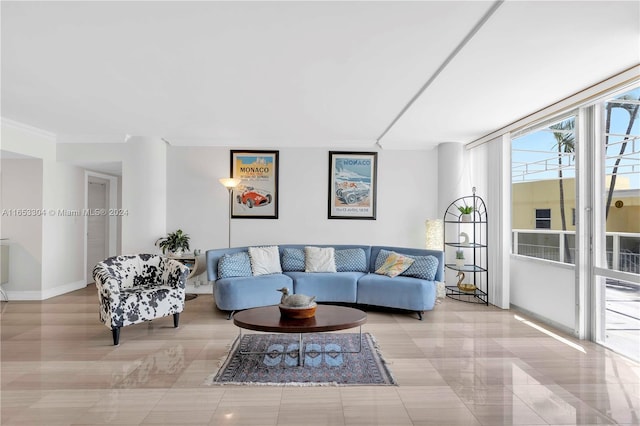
point(441, 68)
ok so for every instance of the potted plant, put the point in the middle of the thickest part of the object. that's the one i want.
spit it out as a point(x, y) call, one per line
point(176, 243)
point(459, 258)
point(466, 213)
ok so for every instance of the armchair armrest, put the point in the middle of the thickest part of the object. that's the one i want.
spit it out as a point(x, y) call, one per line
point(174, 273)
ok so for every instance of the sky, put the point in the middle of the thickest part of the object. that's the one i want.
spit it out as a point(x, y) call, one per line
point(539, 151)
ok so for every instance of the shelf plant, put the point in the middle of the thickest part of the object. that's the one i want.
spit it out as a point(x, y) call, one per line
point(175, 243)
point(459, 258)
point(466, 212)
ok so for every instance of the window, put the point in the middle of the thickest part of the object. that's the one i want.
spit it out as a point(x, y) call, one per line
point(543, 218)
point(543, 174)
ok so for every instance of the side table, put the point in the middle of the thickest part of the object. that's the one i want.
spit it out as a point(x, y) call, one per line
point(196, 264)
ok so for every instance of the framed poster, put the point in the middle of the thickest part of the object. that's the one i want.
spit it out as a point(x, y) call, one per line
point(256, 197)
point(352, 185)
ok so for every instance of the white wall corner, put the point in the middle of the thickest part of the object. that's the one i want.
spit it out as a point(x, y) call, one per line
point(62, 289)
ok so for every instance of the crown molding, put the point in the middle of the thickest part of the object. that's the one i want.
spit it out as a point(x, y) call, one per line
point(7, 122)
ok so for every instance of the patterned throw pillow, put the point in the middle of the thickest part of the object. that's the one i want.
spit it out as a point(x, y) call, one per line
point(394, 265)
point(292, 259)
point(351, 260)
point(319, 259)
point(234, 265)
point(424, 267)
point(265, 260)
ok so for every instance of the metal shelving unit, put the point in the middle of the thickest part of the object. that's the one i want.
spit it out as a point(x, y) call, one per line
point(473, 231)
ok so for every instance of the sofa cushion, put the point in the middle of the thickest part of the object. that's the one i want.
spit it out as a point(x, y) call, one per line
point(394, 265)
point(265, 260)
point(424, 267)
point(292, 259)
point(319, 259)
point(400, 292)
point(327, 286)
point(234, 265)
point(237, 293)
point(351, 260)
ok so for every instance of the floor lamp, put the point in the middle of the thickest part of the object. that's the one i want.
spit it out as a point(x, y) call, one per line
point(434, 234)
point(230, 183)
point(435, 241)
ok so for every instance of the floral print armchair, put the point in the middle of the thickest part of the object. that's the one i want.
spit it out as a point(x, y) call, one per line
point(138, 288)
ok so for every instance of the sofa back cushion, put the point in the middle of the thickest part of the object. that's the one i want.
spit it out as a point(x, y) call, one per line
point(351, 260)
point(234, 265)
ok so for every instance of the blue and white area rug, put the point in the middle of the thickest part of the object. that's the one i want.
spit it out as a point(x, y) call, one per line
point(324, 364)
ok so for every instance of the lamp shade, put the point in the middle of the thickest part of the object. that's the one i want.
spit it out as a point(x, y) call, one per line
point(229, 182)
point(434, 234)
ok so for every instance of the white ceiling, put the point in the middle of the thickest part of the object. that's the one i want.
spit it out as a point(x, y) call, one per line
point(308, 74)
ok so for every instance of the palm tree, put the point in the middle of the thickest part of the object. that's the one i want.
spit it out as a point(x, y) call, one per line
point(632, 109)
point(566, 143)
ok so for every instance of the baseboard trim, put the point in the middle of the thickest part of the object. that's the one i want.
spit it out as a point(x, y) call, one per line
point(45, 294)
point(63, 289)
point(544, 320)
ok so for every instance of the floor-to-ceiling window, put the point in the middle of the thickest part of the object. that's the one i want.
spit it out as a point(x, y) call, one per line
point(546, 184)
point(617, 223)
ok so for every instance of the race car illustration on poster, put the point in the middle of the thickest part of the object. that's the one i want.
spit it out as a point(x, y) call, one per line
point(252, 197)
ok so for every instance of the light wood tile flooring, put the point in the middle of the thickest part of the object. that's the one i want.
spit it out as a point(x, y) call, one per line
point(463, 365)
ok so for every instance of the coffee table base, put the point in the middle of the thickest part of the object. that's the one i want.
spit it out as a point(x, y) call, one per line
point(300, 347)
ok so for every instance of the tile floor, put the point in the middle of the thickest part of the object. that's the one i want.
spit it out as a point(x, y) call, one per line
point(463, 365)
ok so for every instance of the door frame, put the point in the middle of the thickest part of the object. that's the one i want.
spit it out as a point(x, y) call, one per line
point(112, 200)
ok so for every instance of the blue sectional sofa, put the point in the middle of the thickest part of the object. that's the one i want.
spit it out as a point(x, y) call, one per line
point(354, 282)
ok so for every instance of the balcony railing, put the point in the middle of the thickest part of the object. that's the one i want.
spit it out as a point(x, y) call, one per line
point(623, 248)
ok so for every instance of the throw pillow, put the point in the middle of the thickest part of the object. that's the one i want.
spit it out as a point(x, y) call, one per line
point(382, 257)
point(424, 267)
point(394, 265)
point(351, 260)
point(318, 259)
point(265, 260)
point(292, 259)
point(234, 265)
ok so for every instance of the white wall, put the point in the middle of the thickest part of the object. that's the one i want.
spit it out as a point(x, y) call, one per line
point(544, 289)
point(454, 179)
point(54, 263)
point(144, 194)
point(22, 189)
point(63, 235)
point(198, 204)
point(141, 189)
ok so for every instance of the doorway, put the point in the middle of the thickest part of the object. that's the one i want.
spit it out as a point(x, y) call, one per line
point(101, 228)
point(97, 224)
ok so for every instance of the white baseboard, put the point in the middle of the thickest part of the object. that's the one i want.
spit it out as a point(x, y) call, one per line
point(544, 320)
point(23, 295)
point(45, 294)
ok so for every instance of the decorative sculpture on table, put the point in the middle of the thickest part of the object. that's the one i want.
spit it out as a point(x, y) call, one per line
point(464, 286)
point(296, 305)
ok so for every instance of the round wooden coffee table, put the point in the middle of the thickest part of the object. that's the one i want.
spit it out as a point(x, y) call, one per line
point(327, 318)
